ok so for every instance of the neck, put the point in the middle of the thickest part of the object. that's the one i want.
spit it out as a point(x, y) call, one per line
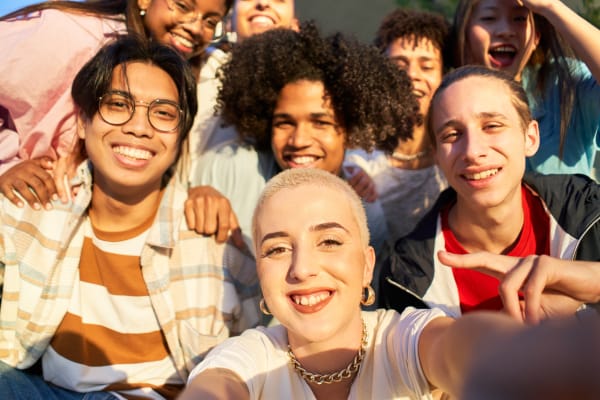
point(494, 229)
point(332, 354)
point(415, 153)
point(116, 214)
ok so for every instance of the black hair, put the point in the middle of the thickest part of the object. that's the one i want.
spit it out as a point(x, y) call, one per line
point(95, 77)
point(415, 25)
point(371, 97)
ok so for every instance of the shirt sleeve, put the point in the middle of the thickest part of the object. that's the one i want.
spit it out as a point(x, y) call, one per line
point(405, 338)
point(41, 54)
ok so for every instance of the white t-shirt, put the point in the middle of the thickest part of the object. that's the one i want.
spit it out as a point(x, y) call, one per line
point(390, 369)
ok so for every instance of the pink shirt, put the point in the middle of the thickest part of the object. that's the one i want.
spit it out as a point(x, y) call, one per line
point(40, 55)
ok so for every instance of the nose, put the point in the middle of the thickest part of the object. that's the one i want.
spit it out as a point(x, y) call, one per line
point(139, 125)
point(261, 4)
point(475, 145)
point(413, 71)
point(303, 265)
point(300, 137)
point(504, 27)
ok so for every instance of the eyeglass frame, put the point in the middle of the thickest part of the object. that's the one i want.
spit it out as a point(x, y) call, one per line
point(173, 6)
point(142, 103)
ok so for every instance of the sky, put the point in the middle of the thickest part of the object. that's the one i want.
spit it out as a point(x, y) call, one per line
point(7, 6)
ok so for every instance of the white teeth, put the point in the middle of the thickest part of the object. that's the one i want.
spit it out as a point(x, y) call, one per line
point(504, 49)
point(310, 300)
point(183, 41)
point(418, 93)
point(262, 19)
point(482, 175)
point(132, 152)
point(303, 160)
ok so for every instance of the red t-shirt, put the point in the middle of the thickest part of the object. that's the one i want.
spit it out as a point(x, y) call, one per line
point(478, 291)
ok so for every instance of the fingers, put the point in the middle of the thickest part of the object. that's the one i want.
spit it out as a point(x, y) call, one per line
point(61, 179)
point(363, 185)
point(491, 264)
point(208, 212)
point(511, 286)
point(31, 182)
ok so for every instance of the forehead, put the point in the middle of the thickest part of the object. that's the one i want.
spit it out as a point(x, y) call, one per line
point(423, 47)
point(304, 206)
point(500, 5)
point(304, 95)
point(474, 96)
point(144, 81)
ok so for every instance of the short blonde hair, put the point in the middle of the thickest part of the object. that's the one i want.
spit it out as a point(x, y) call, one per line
point(296, 177)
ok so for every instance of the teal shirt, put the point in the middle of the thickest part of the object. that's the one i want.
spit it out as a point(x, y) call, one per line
point(582, 139)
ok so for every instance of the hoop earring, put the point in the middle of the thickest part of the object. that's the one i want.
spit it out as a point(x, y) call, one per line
point(369, 299)
point(142, 13)
point(263, 307)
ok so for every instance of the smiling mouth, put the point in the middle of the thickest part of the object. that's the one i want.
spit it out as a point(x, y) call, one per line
point(132, 152)
point(311, 299)
point(502, 56)
point(184, 42)
point(262, 20)
point(301, 161)
point(481, 175)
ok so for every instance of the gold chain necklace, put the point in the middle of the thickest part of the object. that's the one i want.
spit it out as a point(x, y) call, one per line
point(338, 376)
point(396, 155)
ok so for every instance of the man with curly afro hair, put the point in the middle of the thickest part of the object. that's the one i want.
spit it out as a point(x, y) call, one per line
point(300, 100)
point(406, 179)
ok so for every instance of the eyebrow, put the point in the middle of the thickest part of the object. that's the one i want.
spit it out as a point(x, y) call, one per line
point(481, 115)
point(315, 228)
point(312, 115)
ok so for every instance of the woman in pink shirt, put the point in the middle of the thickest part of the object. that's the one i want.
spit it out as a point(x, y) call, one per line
point(44, 45)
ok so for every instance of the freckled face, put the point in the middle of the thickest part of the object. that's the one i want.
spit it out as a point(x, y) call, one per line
point(312, 264)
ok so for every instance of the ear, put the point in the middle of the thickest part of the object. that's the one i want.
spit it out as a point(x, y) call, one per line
point(369, 266)
point(144, 4)
point(295, 25)
point(82, 122)
point(532, 138)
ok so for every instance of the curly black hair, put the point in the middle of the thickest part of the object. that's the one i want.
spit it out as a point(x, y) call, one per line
point(415, 25)
point(371, 97)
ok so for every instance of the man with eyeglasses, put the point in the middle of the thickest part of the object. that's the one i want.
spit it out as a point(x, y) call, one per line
point(111, 294)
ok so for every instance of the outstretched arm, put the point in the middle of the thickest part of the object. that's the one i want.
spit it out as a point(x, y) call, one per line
point(581, 35)
point(216, 384)
point(448, 347)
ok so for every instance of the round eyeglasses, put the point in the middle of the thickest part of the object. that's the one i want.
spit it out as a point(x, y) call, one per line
point(186, 13)
point(118, 109)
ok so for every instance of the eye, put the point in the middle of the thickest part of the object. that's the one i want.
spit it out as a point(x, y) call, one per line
point(322, 124)
point(117, 103)
point(165, 111)
point(492, 126)
point(448, 136)
point(184, 7)
point(487, 18)
point(330, 242)
point(211, 22)
point(282, 124)
point(521, 18)
point(275, 250)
